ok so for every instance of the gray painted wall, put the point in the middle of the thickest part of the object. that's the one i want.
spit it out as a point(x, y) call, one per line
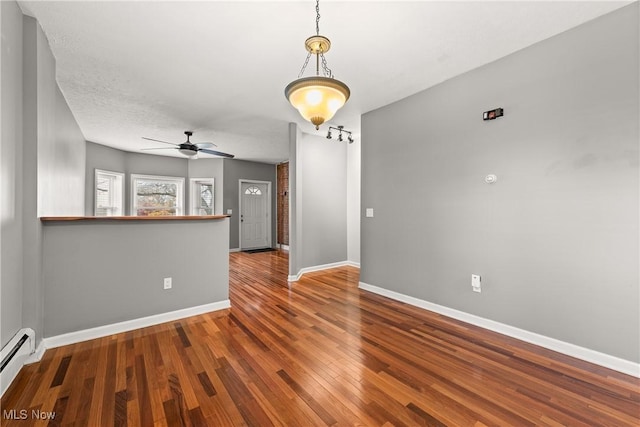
point(11, 158)
point(295, 205)
point(111, 159)
point(106, 158)
point(318, 205)
point(61, 152)
point(322, 192)
point(149, 164)
point(35, 118)
point(556, 238)
point(50, 165)
point(101, 272)
point(36, 61)
point(234, 171)
point(354, 173)
point(61, 148)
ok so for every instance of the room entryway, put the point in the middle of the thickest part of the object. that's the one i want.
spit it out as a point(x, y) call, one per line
point(255, 216)
point(282, 203)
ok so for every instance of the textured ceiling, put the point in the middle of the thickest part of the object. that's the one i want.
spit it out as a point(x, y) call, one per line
point(130, 69)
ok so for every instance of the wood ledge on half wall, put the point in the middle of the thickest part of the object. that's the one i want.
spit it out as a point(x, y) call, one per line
point(134, 218)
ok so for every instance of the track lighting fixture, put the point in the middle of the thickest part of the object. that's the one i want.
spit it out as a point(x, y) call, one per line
point(340, 130)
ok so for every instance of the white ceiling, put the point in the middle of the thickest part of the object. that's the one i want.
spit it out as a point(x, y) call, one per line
point(130, 69)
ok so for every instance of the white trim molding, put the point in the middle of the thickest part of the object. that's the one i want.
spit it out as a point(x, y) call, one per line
point(37, 355)
point(592, 356)
point(129, 325)
point(181, 208)
point(194, 194)
point(304, 270)
point(234, 250)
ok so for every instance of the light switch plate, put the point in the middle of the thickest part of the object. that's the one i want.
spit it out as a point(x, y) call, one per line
point(229, 211)
point(369, 213)
point(476, 283)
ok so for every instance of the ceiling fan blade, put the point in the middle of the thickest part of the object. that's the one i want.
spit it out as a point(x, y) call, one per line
point(157, 140)
point(205, 144)
point(160, 148)
point(217, 153)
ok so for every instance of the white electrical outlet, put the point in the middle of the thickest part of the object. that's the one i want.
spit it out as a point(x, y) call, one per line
point(167, 283)
point(476, 283)
point(369, 213)
point(229, 211)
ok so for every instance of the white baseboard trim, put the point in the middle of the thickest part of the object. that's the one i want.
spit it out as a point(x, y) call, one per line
point(283, 247)
point(304, 270)
point(353, 264)
point(37, 355)
point(596, 357)
point(234, 250)
point(143, 322)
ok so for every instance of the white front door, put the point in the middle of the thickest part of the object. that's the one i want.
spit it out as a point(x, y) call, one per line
point(254, 215)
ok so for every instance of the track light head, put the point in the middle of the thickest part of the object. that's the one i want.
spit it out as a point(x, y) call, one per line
point(341, 130)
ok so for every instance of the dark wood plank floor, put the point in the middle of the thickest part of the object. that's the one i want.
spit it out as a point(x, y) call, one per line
point(313, 353)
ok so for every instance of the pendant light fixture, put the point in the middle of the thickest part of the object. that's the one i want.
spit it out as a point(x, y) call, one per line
point(317, 98)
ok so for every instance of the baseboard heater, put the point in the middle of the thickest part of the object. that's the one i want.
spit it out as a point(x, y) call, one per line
point(14, 355)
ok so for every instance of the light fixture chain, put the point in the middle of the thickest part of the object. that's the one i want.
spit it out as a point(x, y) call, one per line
point(304, 66)
point(326, 70)
point(317, 17)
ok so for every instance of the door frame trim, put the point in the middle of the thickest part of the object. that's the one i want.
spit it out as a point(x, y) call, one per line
point(269, 206)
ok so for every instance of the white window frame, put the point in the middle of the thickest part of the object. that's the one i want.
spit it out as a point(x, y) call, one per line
point(117, 198)
point(194, 187)
point(168, 179)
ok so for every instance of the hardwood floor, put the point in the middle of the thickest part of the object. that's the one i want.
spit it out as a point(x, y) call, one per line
point(312, 353)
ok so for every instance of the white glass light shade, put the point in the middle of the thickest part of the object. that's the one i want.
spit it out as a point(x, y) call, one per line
point(317, 98)
point(189, 152)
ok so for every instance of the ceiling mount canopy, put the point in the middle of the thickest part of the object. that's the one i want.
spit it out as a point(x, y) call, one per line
point(317, 98)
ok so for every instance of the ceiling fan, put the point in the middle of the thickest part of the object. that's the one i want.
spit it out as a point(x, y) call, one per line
point(190, 149)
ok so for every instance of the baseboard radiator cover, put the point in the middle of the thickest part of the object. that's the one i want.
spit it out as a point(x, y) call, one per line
point(14, 355)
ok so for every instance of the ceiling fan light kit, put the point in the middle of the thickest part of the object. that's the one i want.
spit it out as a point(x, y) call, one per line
point(187, 150)
point(319, 97)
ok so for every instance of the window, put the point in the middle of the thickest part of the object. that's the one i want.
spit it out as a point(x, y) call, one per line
point(109, 194)
point(157, 195)
point(253, 191)
point(202, 196)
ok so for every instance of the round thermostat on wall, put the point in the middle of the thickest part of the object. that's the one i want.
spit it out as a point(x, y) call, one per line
point(490, 179)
